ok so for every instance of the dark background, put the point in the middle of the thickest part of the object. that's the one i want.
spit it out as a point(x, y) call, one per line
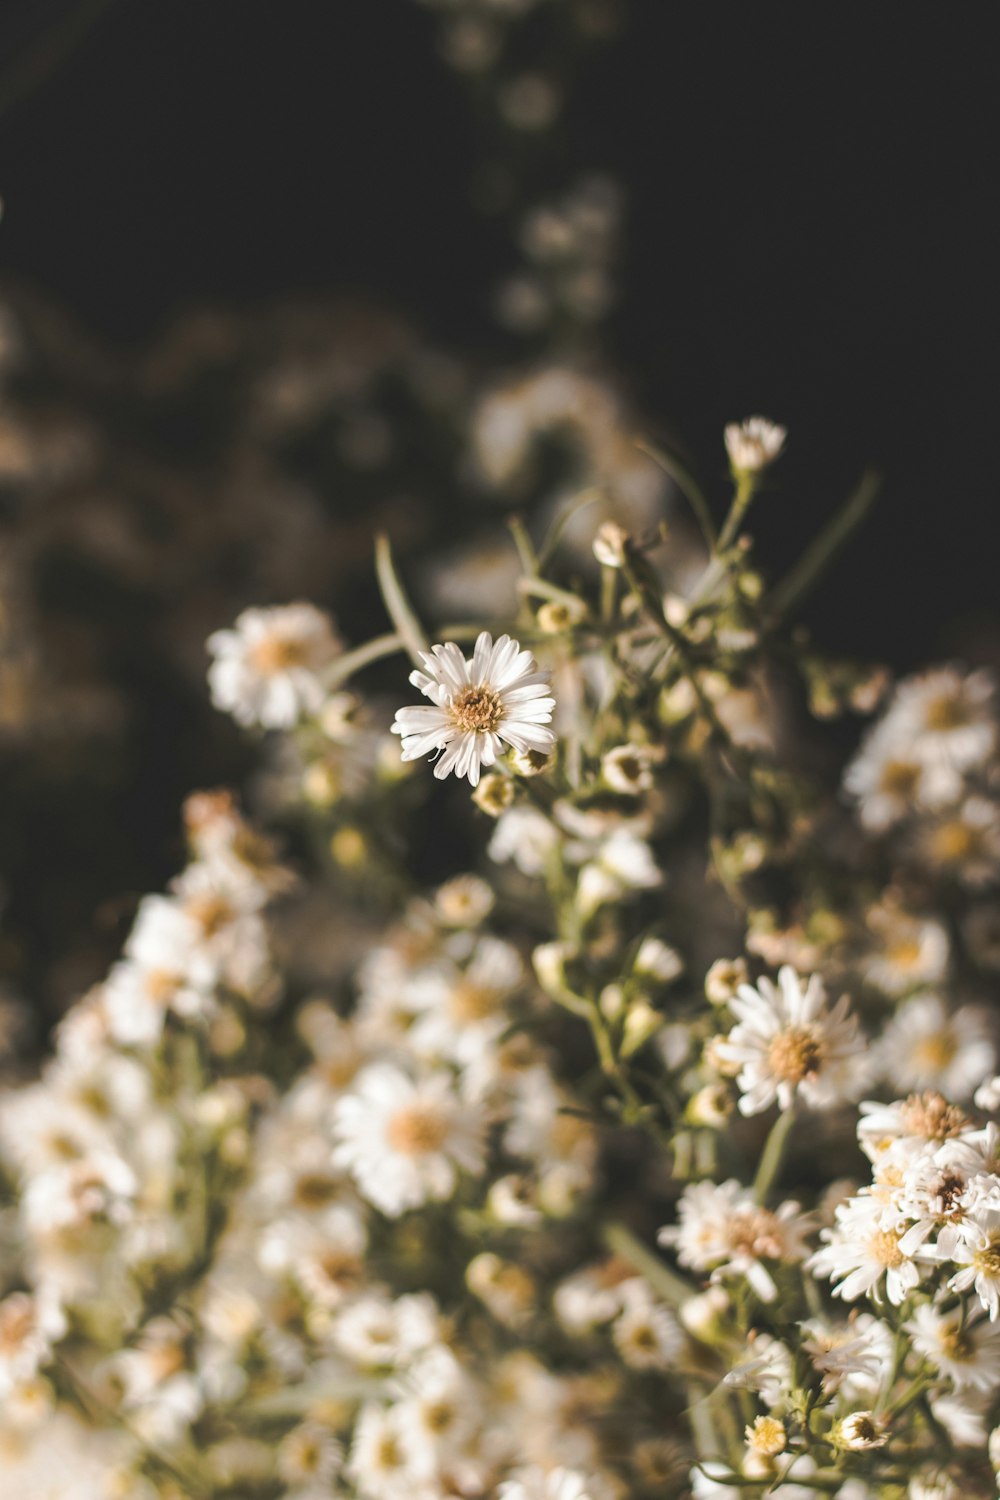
point(810, 233)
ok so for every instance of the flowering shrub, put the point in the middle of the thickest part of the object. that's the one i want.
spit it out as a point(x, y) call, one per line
point(649, 1150)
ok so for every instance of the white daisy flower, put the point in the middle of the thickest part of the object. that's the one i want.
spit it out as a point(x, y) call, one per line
point(787, 1042)
point(851, 1356)
point(525, 837)
point(967, 1352)
point(860, 1252)
point(753, 444)
point(948, 716)
point(548, 1484)
point(646, 1333)
point(973, 1245)
point(908, 1127)
point(723, 1229)
point(964, 845)
point(404, 1142)
point(268, 668)
point(374, 1331)
point(912, 951)
point(926, 1047)
point(890, 779)
point(495, 698)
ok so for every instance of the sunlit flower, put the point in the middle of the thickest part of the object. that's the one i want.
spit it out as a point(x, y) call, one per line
point(481, 704)
point(788, 1041)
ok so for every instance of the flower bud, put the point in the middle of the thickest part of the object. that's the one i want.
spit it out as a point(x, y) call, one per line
point(611, 544)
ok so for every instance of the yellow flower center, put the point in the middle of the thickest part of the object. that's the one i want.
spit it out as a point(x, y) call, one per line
point(884, 1247)
point(931, 1117)
point(477, 709)
point(795, 1054)
point(416, 1131)
point(935, 1052)
point(274, 654)
point(900, 778)
point(948, 711)
point(987, 1262)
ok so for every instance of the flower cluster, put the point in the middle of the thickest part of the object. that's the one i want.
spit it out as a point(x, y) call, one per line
point(502, 1138)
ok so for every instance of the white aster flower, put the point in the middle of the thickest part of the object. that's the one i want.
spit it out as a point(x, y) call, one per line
point(524, 836)
point(753, 444)
point(268, 669)
point(852, 1356)
point(862, 1430)
point(911, 952)
point(908, 1127)
point(376, 1332)
point(924, 1046)
point(404, 1141)
point(481, 704)
point(646, 1334)
point(968, 1351)
point(787, 1042)
point(973, 1244)
point(860, 1252)
point(723, 1229)
point(536, 1483)
point(948, 716)
point(891, 779)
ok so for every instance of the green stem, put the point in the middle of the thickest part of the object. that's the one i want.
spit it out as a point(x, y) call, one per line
point(671, 1286)
point(746, 486)
point(398, 606)
point(362, 656)
point(773, 1155)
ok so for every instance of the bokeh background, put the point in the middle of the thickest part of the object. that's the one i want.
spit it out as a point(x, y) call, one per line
point(251, 268)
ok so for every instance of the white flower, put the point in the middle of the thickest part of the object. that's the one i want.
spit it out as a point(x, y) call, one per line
point(378, 1462)
point(548, 1484)
point(622, 863)
point(611, 544)
point(753, 444)
point(629, 769)
point(405, 1141)
point(861, 1252)
point(907, 1127)
point(787, 1041)
point(968, 1352)
point(438, 1412)
point(29, 1326)
point(374, 1331)
point(852, 1356)
point(892, 780)
point(987, 1095)
point(861, 1431)
point(526, 837)
point(973, 1244)
point(309, 1455)
point(268, 669)
point(947, 716)
point(724, 1230)
point(926, 1047)
point(912, 950)
point(646, 1334)
point(495, 698)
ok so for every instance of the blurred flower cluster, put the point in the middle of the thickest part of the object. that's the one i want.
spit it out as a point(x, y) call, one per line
point(611, 1112)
